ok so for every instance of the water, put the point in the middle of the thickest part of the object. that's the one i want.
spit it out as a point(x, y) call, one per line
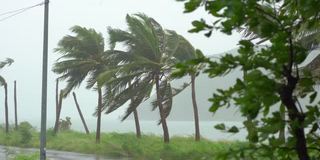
point(176, 128)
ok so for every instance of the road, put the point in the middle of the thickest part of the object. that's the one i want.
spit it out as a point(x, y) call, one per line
point(8, 152)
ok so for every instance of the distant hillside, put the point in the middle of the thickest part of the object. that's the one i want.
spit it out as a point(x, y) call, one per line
point(205, 87)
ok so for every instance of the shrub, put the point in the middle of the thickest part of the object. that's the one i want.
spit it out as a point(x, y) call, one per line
point(65, 125)
point(25, 131)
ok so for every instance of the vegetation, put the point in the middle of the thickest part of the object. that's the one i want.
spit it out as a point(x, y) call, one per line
point(65, 125)
point(278, 35)
point(26, 157)
point(82, 56)
point(151, 53)
point(149, 147)
point(193, 72)
point(272, 73)
point(127, 75)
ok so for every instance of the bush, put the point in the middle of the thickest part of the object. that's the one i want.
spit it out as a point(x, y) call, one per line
point(25, 131)
point(65, 125)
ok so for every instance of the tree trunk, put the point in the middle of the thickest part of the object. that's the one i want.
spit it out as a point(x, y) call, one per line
point(99, 115)
point(195, 108)
point(80, 113)
point(15, 105)
point(136, 120)
point(296, 117)
point(57, 97)
point(161, 111)
point(6, 106)
point(56, 125)
point(286, 95)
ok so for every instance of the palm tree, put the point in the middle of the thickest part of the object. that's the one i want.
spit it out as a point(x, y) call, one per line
point(15, 105)
point(82, 56)
point(184, 53)
point(3, 82)
point(147, 61)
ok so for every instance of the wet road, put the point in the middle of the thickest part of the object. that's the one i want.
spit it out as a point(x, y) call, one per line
point(8, 152)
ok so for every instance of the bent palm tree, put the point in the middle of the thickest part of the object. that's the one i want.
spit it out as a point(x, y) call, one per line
point(82, 56)
point(147, 61)
point(3, 83)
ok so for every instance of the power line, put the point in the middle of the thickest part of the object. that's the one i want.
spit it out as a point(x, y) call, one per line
point(18, 11)
point(5, 13)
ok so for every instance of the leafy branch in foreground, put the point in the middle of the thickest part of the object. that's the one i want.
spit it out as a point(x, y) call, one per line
point(273, 77)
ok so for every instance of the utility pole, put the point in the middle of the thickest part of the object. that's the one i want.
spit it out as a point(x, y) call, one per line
point(44, 83)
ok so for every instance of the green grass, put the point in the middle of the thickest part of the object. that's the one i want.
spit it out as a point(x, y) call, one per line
point(149, 147)
point(26, 157)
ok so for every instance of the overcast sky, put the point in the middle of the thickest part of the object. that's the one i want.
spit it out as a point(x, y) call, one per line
point(21, 39)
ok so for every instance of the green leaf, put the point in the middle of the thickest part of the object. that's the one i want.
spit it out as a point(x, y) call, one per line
point(312, 97)
point(199, 25)
point(314, 128)
point(214, 108)
point(233, 129)
point(192, 5)
point(220, 126)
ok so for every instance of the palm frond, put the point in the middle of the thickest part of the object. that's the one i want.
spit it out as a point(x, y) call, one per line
point(136, 88)
point(82, 55)
point(6, 62)
point(117, 36)
point(143, 33)
point(141, 96)
point(172, 43)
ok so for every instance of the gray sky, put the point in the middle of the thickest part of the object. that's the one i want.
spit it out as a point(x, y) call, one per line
point(21, 39)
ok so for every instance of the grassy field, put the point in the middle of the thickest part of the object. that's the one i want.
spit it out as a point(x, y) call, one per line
point(149, 147)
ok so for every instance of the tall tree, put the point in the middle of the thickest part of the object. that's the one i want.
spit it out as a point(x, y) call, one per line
point(15, 105)
point(273, 75)
point(3, 83)
point(184, 53)
point(82, 56)
point(147, 62)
